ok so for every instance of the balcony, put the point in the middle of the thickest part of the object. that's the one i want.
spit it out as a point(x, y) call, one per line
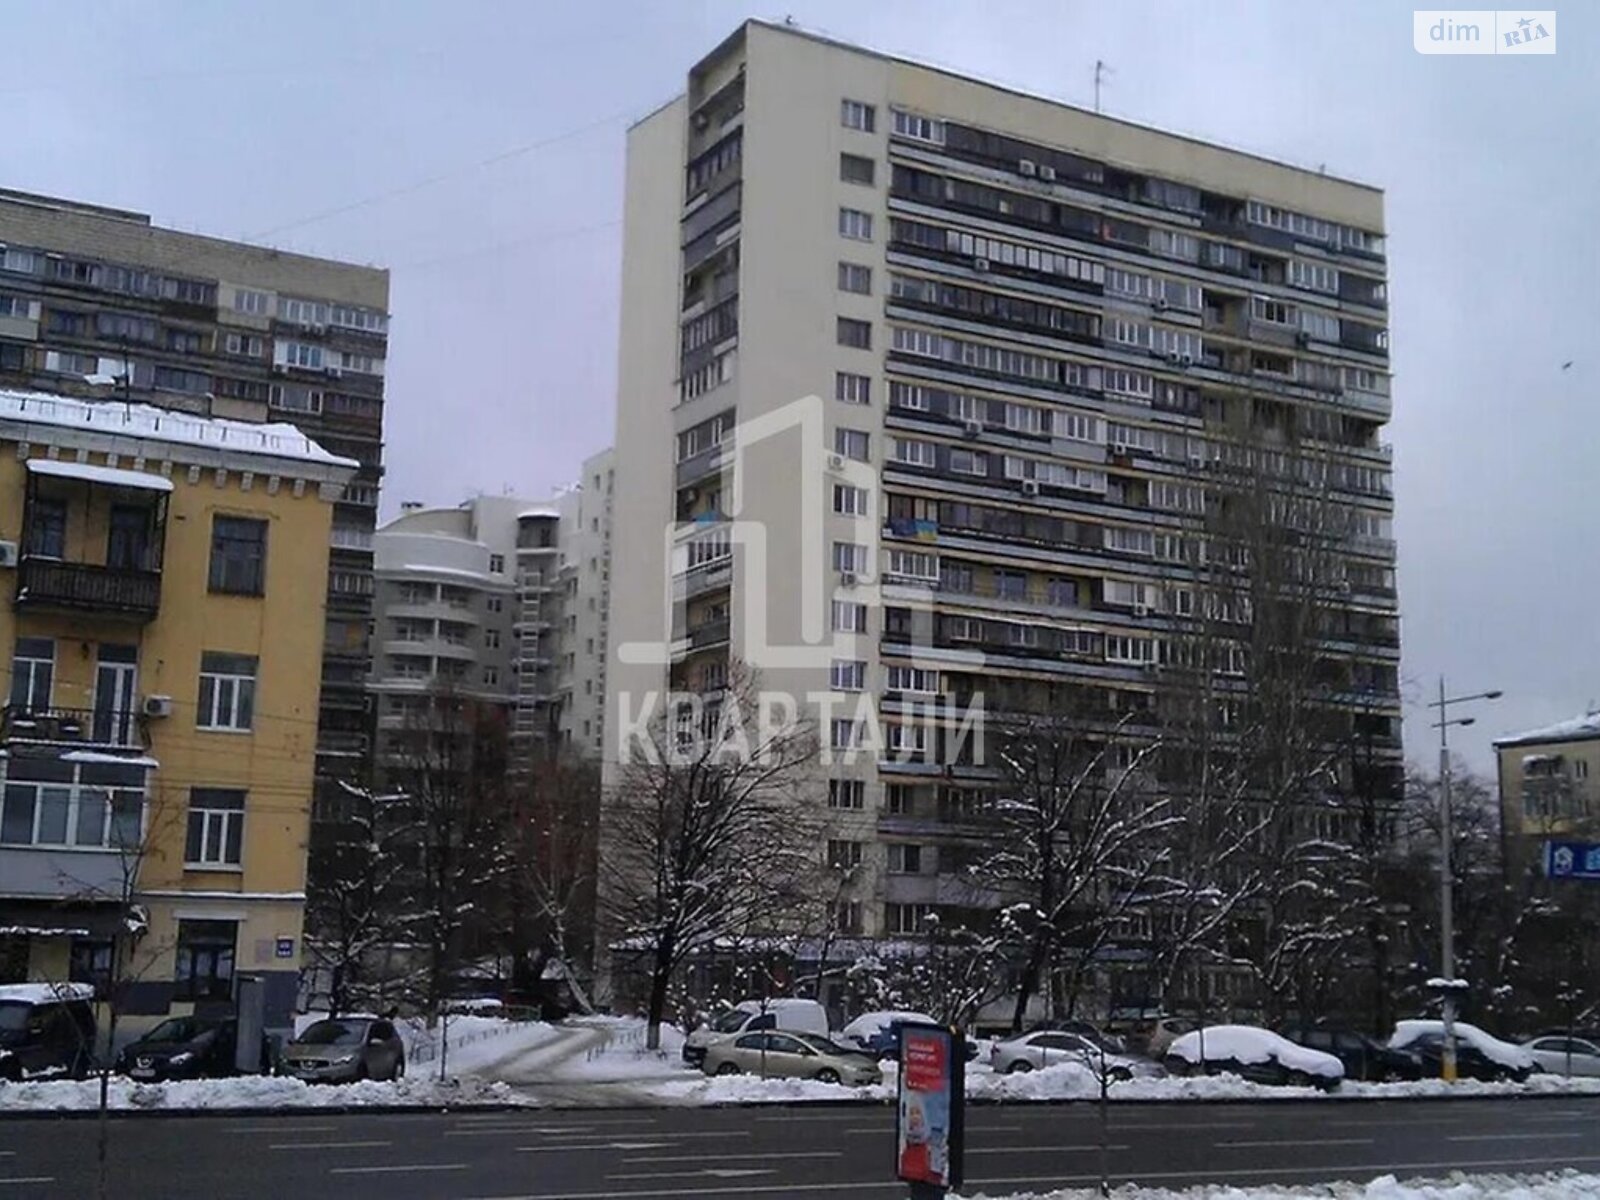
point(111, 728)
point(52, 583)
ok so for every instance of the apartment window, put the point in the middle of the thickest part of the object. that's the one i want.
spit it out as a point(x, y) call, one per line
point(854, 444)
point(1011, 585)
point(204, 969)
point(47, 528)
point(227, 691)
point(254, 304)
point(847, 793)
point(238, 555)
point(904, 859)
point(853, 168)
point(298, 354)
point(1076, 427)
point(1123, 649)
point(847, 675)
point(855, 224)
point(898, 798)
point(843, 856)
point(491, 676)
point(844, 734)
point(853, 114)
point(1313, 276)
point(955, 577)
point(849, 617)
point(912, 564)
point(852, 389)
point(491, 638)
point(908, 396)
point(915, 453)
point(1274, 312)
point(906, 919)
point(847, 917)
point(244, 345)
point(855, 334)
point(33, 665)
point(216, 828)
point(849, 556)
point(1321, 326)
point(913, 679)
point(849, 501)
point(855, 277)
point(1062, 593)
point(969, 462)
point(23, 262)
point(922, 129)
point(1580, 768)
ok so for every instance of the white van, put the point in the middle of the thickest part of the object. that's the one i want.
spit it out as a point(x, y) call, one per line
point(798, 1016)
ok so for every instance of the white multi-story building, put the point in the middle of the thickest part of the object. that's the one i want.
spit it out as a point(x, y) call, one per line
point(585, 535)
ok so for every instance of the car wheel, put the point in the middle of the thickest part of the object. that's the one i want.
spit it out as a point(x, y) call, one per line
point(727, 1068)
point(362, 1072)
point(1020, 1066)
point(1120, 1074)
point(827, 1075)
point(400, 1068)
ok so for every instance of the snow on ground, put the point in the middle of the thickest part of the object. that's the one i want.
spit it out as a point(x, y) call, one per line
point(252, 1091)
point(1565, 1185)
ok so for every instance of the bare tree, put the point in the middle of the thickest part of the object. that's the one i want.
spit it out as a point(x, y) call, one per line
point(710, 832)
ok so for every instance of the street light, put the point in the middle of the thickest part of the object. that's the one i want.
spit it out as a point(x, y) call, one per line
point(1447, 916)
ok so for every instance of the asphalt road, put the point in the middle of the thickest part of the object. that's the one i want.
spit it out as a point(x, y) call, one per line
point(772, 1153)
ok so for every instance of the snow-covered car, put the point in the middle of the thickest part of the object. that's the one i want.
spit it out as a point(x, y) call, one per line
point(1562, 1055)
point(46, 1029)
point(775, 1054)
point(878, 1033)
point(1478, 1054)
point(1258, 1055)
point(1050, 1047)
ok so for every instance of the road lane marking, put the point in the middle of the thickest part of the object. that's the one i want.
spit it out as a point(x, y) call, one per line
point(715, 1172)
point(1040, 1149)
point(641, 1159)
point(327, 1145)
point(1294, 1142)
point(587, 1146)
point(1514, 1137)
point(398, 1170)
point(276, 1127)
point(25, 1180)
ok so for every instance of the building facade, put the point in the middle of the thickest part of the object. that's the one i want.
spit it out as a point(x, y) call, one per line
point(1546, 787)
point(927, 378)
point(586, 604)
point(97, 301)
point(159, 736)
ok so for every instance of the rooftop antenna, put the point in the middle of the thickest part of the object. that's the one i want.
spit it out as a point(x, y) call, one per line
point(1100, 72)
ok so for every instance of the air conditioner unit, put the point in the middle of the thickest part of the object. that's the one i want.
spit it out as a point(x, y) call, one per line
point(847, 578)
point(8, 554)
point(1030, 487)
point(1160, 304)
point(980, 264)
point(835, 462)
point(1303, 338)
point(972, 428)
point(1186, 360)
point(1141, 610)
point(157, 706)
point(1173, 356)
point(1027, 167)
point(1047, 172)
point(700, 120)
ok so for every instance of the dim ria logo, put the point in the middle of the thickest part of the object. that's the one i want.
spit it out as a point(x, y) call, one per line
point(1484, 31)
point(778, 551)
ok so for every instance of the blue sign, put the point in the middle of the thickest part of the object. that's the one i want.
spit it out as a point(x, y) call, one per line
point(1572, 860)
point(284, 948)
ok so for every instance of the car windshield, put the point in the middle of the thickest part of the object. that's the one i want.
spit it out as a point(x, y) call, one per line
point(333, 1033)
point(822, 1044)
point(14, 1016)
point(178, 1029)
point(730, 1022)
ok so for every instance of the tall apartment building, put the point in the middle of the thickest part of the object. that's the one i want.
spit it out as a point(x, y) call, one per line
point(98, 301)
point(585, 535)
point(1025, 329)
point(158, 737)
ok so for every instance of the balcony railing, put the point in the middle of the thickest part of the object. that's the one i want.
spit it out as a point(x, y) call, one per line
point(53, 583)
point(74, 726)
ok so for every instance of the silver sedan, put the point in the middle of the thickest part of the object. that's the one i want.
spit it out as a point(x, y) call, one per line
point(1565, 1056)
point(1050, 1047)
point(790, 1056)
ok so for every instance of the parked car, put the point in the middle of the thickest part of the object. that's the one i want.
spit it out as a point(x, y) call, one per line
point(345, 1049)
point(1158, 1036)
point(1050, 1047)
point(878, 1033)
point(1258, 1055)
point(1563, 1055)
point(46, 1029)
point(1478, 1055)
point(182, 1048)
point(1364, 1058)
point(790, 1055)
point(751, 1016)
point(1084, 1029)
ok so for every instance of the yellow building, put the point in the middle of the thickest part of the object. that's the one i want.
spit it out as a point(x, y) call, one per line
point(1546, 786)
point(162, 586)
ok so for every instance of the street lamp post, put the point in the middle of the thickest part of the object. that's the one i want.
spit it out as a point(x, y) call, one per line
point(1447, 916)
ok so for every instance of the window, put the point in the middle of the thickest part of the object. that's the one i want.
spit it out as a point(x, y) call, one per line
point(922, 129)
point(968, 462)
point(227, 691)
point(245, 345)
point(33, 664)
point(913, 679)
point(854, 277)
point(847, 675)
point(855, 334)
point(854, 444)
point(1319, 326)
point(906, 919)
point(89, 961)
point(491, 638)
point(1061, 593)
point(849, 501)
point(1580, 768)
point(849, 556)
point(1123, 649)
point(915, 453)
point(128, 538)
point(853, 168)
point(254, 304)
point(843, 855)
point(1313, 277)
point(491, 676)
point(23, 262)
point(847, 917)
point(297, 354)
point(204, 968)
point(905, 859)
point(844, 734)
point(911, 564)
point(57, 802)
point(1273, 312)
point(847, 793)
point(855, 224)
point(497, 564)
point(1076, 426)
point(216, 828)
point(238, 555)
point(849, 617)
point(47, 528)
point(1011, 585)
point(853, 114)
point(852, 389)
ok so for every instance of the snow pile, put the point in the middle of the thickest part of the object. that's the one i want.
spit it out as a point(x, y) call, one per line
point(1507, 1055)
point(621, 1055)
point(862, 1030)
point(1564, 1185)
point(1247, 1044)
point(250, 1092)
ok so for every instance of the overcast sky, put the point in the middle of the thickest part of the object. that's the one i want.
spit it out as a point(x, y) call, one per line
point(476, 149)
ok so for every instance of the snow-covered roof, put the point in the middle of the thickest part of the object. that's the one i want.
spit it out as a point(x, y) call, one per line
point(541, 510)
point(43, 993)
point(1492, 1048)
point(1574, 730)
point(1247, 1044)
point(110, 476)
point(96, 756)
point(116, 419)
